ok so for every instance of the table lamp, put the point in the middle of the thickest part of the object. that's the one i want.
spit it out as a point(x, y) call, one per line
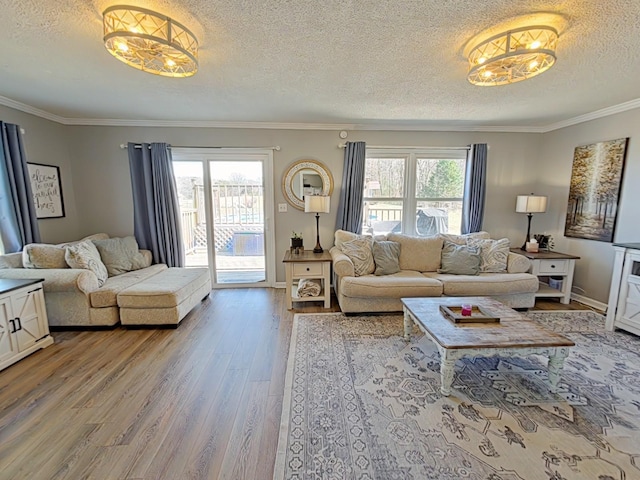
point(317, 204)
point(530, 204)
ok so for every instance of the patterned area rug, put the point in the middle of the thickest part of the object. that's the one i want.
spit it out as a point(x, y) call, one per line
point(360, 403)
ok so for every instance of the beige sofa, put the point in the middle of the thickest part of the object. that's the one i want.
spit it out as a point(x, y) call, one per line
point(74, 297)
point(418, 277)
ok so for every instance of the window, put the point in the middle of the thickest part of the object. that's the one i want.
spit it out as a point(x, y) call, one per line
point(414, 192)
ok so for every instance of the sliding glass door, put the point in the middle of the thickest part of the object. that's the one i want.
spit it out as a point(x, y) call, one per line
point(226, 196)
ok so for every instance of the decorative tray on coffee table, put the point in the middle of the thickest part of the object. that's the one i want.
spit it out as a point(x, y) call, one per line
point(478, 315)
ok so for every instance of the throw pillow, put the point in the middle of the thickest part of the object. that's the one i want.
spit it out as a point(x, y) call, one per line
point(386, 255)
point(41, 255)
point(359, 251)
point(85, 255)
point(494, 254)
point(462, 239)
point(120, 255)
point(460, 259)
point(418, 253)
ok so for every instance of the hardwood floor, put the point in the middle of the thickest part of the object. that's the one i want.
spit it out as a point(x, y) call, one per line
point(199, 402)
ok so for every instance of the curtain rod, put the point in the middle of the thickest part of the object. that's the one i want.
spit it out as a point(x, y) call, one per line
point(137, 145)
point(344, 145)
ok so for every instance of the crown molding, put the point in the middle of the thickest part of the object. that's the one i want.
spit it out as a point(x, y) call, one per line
point(23, 107)
point(603, 112)
point(115, 122)
point(406, 127)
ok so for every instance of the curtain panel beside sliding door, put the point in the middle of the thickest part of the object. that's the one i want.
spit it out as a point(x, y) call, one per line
point(155, 202)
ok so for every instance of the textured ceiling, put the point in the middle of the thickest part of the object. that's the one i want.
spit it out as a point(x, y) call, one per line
point(322, 61)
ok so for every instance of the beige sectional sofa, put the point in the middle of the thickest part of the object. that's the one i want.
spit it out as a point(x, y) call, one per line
point(75, 298)
point(419, 262)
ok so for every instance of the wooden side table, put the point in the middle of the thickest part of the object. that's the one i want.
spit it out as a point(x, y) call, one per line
point(308, 265)
point(552, 264)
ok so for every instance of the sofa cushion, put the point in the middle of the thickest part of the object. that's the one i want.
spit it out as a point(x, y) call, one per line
point(386, 255)
point(418, 253)
point(459, 259)
point(120, 255)
point(85, 255)
point(493, 253)
point(462, 239)
point(42, 255)
point(405, 283)
point(95, 236)
point(486, 284)
point(11, 260)
point(106, 296)
point(166, 289)
point(359, 252)
point(342, 236)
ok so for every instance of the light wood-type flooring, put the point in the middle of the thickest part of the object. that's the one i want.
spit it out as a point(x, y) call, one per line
point(199, 402)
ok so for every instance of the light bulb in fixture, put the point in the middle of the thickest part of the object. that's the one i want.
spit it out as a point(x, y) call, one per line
point(481, 60)
point(533, 65)
point(170, 63)
point(535, 45)
point(487, 74)
point(123, 47)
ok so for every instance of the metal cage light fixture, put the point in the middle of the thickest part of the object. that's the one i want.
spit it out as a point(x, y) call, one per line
point(513, 56)
point(150, 41)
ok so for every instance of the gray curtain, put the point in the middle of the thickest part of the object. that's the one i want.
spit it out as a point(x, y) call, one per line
point(156, 213)
point(350, 209)
point(18, 221)
point(474, 188)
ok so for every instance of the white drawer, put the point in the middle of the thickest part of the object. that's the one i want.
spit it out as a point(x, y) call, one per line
point(313, 268)
point(551, 267)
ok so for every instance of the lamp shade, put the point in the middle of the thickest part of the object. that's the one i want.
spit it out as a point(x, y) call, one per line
point(317, 203)
point(531, 204)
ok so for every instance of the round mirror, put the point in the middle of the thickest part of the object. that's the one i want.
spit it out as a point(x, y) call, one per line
point(306, 177)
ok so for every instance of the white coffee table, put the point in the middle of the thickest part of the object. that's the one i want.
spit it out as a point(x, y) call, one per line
point(515, 335)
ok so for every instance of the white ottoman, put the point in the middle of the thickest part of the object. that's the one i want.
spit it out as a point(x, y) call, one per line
point(164, 298)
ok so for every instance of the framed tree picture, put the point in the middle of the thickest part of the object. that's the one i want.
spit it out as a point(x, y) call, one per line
point(596, 179)
point(46, 188)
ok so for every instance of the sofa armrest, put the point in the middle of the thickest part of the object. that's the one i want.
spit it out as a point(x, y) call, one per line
point(342, 265)
point(517, 263)
point(56, 279)
point(148, 257)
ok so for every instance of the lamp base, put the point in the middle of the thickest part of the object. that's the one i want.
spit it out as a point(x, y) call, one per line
point(318, 248)
point(528, 237)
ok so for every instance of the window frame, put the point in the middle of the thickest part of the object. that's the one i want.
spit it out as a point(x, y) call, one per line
point(409, 199)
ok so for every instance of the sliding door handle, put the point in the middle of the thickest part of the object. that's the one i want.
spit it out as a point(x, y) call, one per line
point(13, 326)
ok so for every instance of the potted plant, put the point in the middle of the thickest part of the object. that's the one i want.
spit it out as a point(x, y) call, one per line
point(296, 242)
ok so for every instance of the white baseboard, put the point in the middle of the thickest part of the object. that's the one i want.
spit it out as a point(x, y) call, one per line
point(590, 302)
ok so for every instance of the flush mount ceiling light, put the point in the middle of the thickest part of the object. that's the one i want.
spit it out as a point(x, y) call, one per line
point(150, 41)
point(513, 56)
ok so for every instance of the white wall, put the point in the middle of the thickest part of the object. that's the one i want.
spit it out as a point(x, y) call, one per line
point(593, 270)
point(47, 142)
point(103, 188)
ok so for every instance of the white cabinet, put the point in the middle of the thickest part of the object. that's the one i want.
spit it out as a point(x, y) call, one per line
point(623, 310)
point(23, 320)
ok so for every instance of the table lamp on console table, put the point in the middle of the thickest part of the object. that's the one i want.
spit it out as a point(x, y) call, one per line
point(530, 204)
